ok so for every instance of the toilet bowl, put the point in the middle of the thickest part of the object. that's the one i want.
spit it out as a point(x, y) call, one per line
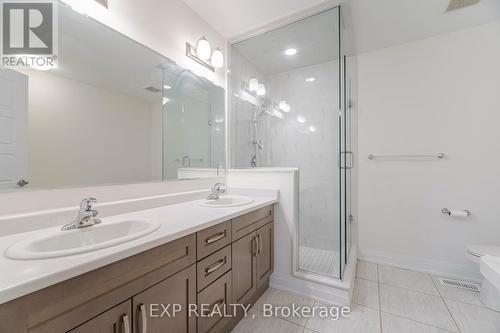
point(488, 257)
point(475, 252)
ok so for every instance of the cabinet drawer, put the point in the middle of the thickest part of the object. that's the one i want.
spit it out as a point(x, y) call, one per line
point(213, 266)
point(218, 294)
point(247, 223)
point(213, 239)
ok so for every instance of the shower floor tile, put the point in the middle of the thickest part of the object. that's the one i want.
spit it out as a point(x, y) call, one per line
point(319, 261)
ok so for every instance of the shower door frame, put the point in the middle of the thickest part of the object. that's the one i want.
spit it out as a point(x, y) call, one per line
point(343, 251)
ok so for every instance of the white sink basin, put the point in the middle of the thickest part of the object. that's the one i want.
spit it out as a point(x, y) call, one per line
point(54, 242)
point(227, 201)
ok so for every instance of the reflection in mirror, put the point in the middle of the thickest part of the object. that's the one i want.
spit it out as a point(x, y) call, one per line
point(112, 112)
point(194, 123)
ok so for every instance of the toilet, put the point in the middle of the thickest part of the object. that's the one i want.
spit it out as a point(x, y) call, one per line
point(487, 257)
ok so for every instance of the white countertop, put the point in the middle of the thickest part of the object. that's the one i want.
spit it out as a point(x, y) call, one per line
point(22, 277)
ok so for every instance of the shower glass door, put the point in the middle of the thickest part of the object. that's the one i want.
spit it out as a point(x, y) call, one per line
point(287, 111)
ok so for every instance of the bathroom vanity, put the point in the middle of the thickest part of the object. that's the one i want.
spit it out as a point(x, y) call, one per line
point(209, 262)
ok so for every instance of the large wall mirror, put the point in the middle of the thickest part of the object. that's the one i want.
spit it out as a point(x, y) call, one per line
point(112, 112)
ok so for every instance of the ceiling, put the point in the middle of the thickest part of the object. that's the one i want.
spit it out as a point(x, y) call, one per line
point(266, 51)
point(375, 24)
point(234, 17)
point(378, 24)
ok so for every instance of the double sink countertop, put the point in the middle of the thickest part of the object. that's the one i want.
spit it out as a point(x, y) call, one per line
point(22, 277)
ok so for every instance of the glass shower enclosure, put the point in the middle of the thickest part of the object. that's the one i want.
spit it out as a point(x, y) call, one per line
point(288, 109)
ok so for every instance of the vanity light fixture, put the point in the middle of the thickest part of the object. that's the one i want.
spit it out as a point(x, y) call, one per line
point(253, 85)
point(287, 108)
point(290, 52)
point(310, 79)
point(301, 119)
point(282, 105)
point(262, 90)
point(203, 49)
point(217, 58)
point(202, 54)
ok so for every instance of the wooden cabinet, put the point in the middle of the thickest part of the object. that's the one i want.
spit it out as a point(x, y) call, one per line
point(265, 253)
point(253, 262)
point(226, 264)
point(178, 290)
point(244, 273)
point(115, 320)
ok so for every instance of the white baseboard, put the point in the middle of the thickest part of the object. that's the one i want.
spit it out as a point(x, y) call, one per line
point(424, 265)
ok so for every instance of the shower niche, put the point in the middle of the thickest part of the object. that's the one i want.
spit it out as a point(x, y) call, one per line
point(288, 106)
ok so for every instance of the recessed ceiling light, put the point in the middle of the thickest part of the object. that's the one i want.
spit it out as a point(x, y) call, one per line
point(290, 52)
point(301, 119)
point(313, 129)
point(311, 79)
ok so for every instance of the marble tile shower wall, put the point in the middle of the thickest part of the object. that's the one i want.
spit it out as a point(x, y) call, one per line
point(290, 143)
point(243, 106)
point(312, 146)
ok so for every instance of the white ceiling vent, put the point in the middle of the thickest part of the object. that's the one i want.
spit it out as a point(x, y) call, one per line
point(457, 4)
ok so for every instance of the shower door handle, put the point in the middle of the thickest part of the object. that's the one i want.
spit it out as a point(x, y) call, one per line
point(351, 160)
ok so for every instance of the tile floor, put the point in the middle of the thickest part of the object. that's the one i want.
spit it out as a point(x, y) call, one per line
point(385, 300)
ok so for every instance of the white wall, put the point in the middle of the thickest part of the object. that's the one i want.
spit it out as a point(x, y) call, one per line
point(163, 25)
point(435, 95)
point(62, 113)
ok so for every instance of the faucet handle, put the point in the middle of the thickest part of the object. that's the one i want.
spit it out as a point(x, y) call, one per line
point(87, 204)
point(220, 187)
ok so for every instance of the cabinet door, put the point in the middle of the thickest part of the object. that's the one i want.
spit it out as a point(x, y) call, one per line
point(265, 255)
point(115, 320)
point(244, 272)
point(179, 291)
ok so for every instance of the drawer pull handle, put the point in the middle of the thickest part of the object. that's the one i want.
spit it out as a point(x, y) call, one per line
point(259, 237)
point(212, 268)
point(220, 302)
point(144, 318)
point(126, 324)
point(215, 238)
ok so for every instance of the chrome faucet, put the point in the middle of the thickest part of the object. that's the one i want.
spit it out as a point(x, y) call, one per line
point(216, 191)
point(253, 161)
point(86, 216)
